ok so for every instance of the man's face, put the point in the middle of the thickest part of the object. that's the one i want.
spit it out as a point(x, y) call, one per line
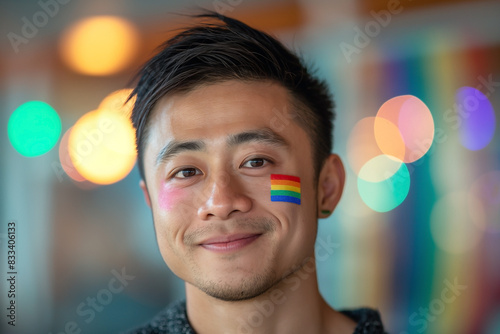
point(208, 162)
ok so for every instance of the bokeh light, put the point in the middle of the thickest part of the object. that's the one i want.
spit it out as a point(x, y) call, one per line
point(362, 145)
point(414, 121)
point(478, 118)
point(34, 128)
point(115, 102)
point(383, 183)
point(100, 45)
point(452, 223)
point(377, 148)
point(102, 147)
point(380, 168)
point(485, 192)
point(65, 159)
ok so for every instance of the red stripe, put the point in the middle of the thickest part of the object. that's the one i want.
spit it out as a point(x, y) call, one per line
point(285, 177)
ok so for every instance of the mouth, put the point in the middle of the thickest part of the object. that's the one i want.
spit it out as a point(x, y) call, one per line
point(226, 243)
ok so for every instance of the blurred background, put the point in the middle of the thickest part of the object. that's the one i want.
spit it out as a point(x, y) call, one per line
point(416, 236)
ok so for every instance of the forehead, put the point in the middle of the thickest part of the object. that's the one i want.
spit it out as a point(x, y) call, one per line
point(214, 111)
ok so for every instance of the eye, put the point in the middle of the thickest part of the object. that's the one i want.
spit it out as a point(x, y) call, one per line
point(187, 173)
point(255, 163)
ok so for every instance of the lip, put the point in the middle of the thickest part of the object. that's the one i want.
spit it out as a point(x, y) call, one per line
point(225, 243)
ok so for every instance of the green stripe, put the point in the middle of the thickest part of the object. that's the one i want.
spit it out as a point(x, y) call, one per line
point(285, 193)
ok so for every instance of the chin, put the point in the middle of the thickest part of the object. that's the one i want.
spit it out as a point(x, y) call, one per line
point(239, 287)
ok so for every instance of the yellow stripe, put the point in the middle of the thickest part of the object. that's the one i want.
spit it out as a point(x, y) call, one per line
point(279, 187)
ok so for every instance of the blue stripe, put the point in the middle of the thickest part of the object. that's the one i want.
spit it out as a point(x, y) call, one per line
point(289, 199)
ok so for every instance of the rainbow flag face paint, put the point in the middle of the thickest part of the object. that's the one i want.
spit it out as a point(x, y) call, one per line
point(285, 188)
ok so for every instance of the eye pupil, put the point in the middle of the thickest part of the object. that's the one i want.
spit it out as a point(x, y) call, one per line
point(257, 162)
point(188, 172)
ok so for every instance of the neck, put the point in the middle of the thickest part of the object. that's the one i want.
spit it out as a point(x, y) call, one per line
point(293, 305)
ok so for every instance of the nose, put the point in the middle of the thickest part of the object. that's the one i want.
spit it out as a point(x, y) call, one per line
point(223, 196)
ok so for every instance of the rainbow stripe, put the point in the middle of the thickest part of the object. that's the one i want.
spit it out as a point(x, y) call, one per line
point(285, 188)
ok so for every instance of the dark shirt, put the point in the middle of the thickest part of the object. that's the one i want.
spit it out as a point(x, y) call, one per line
point(173, 320)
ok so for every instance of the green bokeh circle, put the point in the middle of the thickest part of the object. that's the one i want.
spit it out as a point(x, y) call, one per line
point(34, 128)
point(386, 195)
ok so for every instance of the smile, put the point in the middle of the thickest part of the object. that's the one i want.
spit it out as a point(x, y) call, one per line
point(229, 242)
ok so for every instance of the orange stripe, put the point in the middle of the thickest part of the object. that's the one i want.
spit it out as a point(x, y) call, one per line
point(285, 183)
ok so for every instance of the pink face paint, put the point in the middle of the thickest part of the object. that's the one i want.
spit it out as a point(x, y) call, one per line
point(169, 196)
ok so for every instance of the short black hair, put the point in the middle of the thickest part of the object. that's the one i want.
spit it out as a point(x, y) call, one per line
point(213, 52)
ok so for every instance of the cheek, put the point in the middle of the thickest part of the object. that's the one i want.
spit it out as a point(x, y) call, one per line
point(168, 197)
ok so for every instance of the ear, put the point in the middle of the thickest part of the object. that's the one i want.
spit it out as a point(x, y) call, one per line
point(142, 184)
point(330, 185)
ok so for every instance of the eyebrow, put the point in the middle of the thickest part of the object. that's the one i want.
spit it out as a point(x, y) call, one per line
point(175, 147)
point(264, 135)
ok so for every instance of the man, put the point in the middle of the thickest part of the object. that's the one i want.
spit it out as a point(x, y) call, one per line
point(234, 149)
